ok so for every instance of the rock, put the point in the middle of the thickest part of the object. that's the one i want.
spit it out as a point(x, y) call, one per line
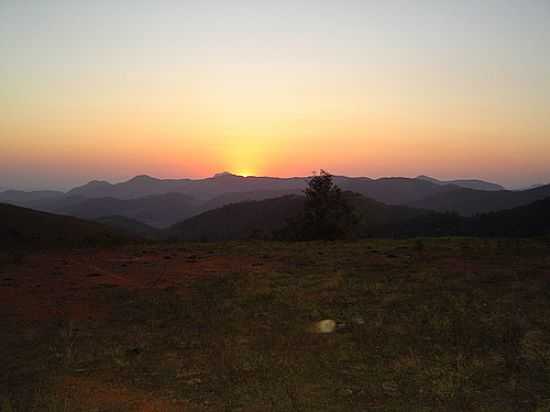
point(324, 326)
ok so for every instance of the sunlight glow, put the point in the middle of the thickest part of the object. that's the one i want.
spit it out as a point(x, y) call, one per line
point(273, 88)
point(245, 172)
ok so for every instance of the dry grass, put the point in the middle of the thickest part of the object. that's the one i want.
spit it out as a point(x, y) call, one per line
point(453, 324)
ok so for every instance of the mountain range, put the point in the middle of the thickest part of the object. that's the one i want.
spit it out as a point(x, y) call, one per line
point(161, 203)
point(265, 219)
point(469, 202)
point(467, 183)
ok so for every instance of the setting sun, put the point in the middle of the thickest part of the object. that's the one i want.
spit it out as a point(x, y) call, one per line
point(245, 172)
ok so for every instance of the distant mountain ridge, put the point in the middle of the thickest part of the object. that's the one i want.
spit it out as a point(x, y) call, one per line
point(469, 202)
point(393, 190)
point(249, 219)
point(160, 203)
point(466, 183)
point(23, 197)
point(202, 189)
point(163, 202)
point(267, 219)
point(157, 210)
point(130, 227)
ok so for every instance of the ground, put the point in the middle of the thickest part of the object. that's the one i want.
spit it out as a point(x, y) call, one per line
point(421, 325)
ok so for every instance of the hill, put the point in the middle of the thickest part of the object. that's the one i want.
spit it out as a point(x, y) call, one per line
point(26, 228)
point(469, 202)
point(129, 226)
point(466, 183)
point(265, 219)
point(525, 221)
point(392, 190)
point(157, 210)
point(378, 219)
point(237, 197)
point(20, 197)
point(240, 220)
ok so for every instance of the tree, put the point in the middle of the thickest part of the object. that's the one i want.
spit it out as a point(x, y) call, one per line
point(327, 215)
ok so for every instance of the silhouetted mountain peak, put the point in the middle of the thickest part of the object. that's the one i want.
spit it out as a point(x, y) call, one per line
point(98, 183)
point(143, 179)
point(225, 175)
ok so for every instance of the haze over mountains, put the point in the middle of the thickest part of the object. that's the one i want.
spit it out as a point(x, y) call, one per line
point(269, 219)
point(264, 219)
point(469, 202)
point(161, 203)
point(467, 183)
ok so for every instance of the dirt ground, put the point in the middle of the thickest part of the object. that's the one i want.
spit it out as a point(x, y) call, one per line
point(430, 324)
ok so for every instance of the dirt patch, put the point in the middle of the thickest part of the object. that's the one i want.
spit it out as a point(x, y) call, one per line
point(210, 329)
point(90, 394)
point(65, 286)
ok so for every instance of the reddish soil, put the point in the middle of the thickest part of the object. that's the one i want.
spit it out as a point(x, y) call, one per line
point(112, 396)
point(64, 285)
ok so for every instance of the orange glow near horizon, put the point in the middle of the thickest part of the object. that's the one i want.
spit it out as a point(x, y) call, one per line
point(273, 89)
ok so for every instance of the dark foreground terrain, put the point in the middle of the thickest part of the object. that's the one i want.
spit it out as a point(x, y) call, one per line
point(423, 325)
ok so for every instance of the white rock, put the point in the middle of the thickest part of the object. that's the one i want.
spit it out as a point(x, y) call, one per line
point(324, 326)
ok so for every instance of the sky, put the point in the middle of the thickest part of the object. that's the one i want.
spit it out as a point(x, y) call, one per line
point(177, 88)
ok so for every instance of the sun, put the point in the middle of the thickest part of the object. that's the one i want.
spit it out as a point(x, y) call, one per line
point(245, 172)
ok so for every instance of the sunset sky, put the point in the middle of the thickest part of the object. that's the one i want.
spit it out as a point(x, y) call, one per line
point(111, 89)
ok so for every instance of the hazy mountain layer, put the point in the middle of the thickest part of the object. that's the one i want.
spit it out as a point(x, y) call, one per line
point(467, 183)
point(469, 202)
point(266, 219)
point(163, 202)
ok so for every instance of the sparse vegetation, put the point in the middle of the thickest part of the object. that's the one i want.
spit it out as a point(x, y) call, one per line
point(453, 324)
